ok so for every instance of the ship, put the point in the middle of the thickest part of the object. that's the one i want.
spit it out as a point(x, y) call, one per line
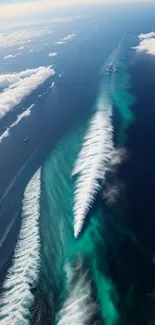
point(111, 68)
point(26, 139)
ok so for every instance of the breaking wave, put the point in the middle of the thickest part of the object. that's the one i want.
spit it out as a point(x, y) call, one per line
point(79, 308)
point(92, 164)
point(16, 297)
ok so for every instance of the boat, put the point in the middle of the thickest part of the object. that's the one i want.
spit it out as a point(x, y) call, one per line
point(111, 68)
point(26, 139)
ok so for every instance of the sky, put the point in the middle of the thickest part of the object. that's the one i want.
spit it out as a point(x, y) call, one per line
point(14, 8)
point(25, 9)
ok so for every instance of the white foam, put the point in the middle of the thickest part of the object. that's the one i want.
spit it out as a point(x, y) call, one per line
point(78, 308)
point(147, 43)
point(53, 54)
point(92, 165)
point(52, 85)
point(16, 297)
point(145, 36)
point(5, 134)
point(69, 37)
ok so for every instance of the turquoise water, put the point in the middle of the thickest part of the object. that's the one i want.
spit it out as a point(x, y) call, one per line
point(60, 251)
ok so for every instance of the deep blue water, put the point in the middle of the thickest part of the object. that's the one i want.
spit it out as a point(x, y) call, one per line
point(140, 175)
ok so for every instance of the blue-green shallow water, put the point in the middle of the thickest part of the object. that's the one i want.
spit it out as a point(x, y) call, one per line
point(99, 246)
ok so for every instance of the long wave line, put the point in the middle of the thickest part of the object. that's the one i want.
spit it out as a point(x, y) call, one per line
point(92, 164)
point(16, 297)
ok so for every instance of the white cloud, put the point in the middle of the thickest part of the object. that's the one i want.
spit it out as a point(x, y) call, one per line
point(31, 51)
point(7, 80)
point(147, 43)
point(112, 193)
point(10, 56)
point(53, 54)
point(4, 135)
point(59, 42)
point(69, 37)
point(118, 156)
point(20, 85)
point(20, 37)
point(34, 22)
point(52, 85)
point(21, 48)
point(26, 113)
point(145, 36)
point(16, 11)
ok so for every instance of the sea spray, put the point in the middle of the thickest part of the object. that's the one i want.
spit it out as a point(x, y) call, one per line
point(16, 297)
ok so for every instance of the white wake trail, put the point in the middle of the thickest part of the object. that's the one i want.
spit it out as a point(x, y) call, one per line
point(16, 297)
point(78, 308)
point(92, 164)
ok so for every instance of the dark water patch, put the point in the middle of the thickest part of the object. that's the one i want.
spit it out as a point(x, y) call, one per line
point(131, 249)
point(41, 313)
point(126, 263)
point(139, 172)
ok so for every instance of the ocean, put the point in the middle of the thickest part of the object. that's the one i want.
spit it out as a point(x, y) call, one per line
point(106, 275)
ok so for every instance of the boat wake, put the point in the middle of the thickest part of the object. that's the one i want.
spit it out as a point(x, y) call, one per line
point(16, 297)
point(92, 164)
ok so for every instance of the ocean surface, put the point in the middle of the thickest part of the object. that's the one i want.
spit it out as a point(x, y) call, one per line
point(106, 276)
